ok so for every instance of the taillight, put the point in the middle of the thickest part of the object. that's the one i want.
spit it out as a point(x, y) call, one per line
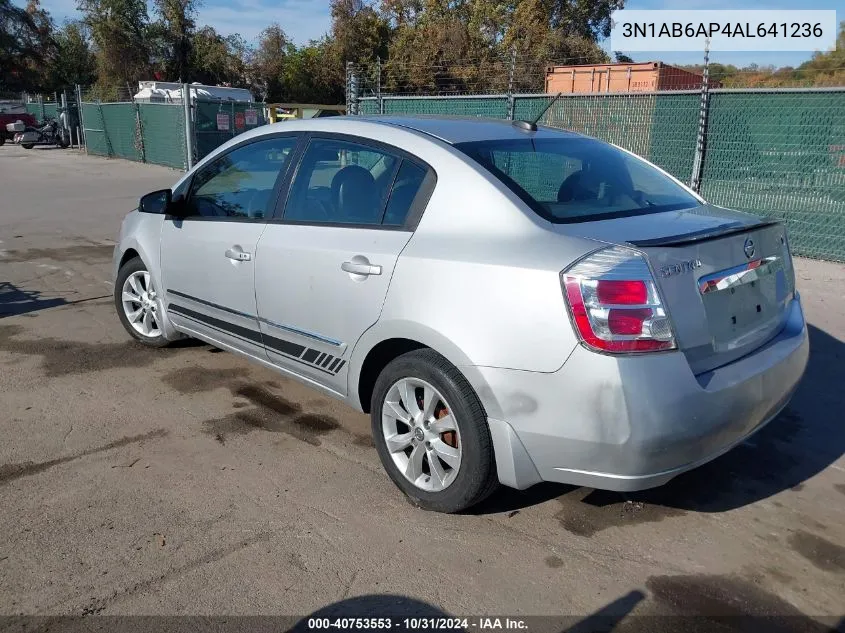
point(615, 304)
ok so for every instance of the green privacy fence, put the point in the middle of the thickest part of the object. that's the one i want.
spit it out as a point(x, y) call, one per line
point(147, 132)
point(782, 154)
point(155, 132)
point(215, 122)
point(163, 129)
point(779, 153)
point(41, 110)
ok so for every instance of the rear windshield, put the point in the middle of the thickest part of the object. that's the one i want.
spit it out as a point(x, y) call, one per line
point(579, 179)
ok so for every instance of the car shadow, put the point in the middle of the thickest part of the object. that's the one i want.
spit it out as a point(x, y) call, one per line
point(802, 441)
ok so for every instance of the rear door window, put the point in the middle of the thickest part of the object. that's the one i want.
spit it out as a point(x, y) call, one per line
point(406, 188)
point(340, 182)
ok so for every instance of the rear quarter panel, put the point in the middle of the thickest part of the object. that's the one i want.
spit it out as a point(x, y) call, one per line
point(479, 280)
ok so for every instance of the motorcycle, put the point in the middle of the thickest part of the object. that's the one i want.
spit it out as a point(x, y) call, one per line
point(48, 134)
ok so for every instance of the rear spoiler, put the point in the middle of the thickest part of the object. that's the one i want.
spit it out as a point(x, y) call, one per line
point(704, 235)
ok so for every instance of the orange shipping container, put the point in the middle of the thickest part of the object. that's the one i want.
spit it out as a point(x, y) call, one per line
point(637, 77)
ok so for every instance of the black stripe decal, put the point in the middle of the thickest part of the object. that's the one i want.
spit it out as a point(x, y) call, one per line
point(225, 326)
point(292, 351)
point(296, 360)
point(216, 329)
point(285, 347)
point(210, 304)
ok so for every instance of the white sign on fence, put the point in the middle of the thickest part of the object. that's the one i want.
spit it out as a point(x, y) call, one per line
point(251, 117)
point(222, 121)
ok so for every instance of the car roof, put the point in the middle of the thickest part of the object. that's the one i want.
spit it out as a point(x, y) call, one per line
point(457, 129)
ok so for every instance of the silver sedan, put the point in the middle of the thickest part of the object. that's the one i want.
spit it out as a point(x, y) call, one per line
point(510, 304)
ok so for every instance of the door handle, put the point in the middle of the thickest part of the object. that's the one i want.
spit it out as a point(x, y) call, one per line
point(358, 268)
point(238, 255)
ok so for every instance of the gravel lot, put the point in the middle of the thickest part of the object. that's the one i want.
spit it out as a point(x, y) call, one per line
point(187, 481)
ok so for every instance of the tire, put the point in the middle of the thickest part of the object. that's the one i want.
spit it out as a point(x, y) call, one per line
point(27, 145)
point(2, 139)
point(135, 267)
point(64, 143)
point(475, 478)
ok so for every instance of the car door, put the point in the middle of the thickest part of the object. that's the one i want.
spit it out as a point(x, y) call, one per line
point(208, 257)
point(324, 266)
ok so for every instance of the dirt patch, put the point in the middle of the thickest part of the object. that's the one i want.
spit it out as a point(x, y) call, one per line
point(269, 411)
point(85, 253)
point(62, 358)
point(780, 575)
point(266, 399)
point(555, 562)
point(365, 440)
point(585, 512)
point(839, 488)
point(731, 602)
point(821, 552)
point(307, 427)
point(11, 472)
point(198, 379)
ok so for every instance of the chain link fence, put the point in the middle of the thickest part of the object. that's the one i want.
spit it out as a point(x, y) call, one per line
point(46, 107)
point(215, 122)
point(155, 132)
point(144, 132)
point(774, 151)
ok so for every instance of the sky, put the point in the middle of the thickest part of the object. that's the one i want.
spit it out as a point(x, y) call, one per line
point(304, 20)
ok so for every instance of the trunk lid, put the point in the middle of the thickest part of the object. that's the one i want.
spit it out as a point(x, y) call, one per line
point(726, 277)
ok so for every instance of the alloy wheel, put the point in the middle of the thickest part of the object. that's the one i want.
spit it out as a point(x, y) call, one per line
point(421, 434)
point(140, 304)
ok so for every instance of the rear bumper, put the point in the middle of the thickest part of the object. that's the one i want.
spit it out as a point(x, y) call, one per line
point(630, 423)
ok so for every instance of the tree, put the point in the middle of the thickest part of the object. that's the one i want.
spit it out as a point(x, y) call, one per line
point(622, 58)
point(16, 51)
point(74, 61)
point(828, 68)
point(359, 33)
point(25, 45)
point(587, 19)
point(267, 63)
point(560, 31)
point(214, 59)
point(310, 77)
point(466, 45)
point(175, 30)
point(42, 39)
point(120, 30)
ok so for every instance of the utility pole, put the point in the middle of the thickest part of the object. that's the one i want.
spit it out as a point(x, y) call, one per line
point(701, 140)
point(378, 86)
point(511, 73)
point(189, 128)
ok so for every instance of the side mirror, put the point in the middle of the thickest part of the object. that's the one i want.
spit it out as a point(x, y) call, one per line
point(155, 202)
